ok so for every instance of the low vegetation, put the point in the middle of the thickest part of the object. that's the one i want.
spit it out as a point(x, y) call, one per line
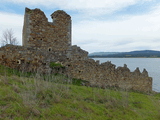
point(56, 65)
point(33, 96)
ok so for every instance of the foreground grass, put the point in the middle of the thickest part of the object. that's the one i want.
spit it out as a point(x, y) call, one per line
point(32, 97)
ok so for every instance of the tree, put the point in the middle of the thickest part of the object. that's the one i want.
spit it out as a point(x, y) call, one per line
point(8, 37)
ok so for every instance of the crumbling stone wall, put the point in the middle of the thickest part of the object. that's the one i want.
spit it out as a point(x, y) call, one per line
point(45, 42)
point(23, 58)
point(76, 53)
point(52, 36)
point(32, 59)
point(107, 75)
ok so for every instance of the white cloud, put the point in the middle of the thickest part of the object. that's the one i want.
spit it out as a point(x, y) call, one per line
point(138, 31)
point(87, 7)
point(132, 32)
point(12, 21)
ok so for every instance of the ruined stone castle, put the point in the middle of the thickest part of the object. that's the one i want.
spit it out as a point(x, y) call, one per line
point(50, 42)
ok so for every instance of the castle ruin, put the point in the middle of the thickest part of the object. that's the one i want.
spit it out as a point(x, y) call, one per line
point(45, 42)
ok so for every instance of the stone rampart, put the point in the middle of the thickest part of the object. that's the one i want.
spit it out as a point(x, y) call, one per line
point(107, 75)
point(45, 42)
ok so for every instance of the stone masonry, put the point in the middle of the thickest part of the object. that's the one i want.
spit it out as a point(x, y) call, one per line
point(39, 33)
point(45, 42)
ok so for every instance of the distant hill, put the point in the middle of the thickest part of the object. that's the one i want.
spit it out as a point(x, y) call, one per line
point(103, 53)
point(142, 53)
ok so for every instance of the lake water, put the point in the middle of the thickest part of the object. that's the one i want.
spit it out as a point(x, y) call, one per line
point(152, 65)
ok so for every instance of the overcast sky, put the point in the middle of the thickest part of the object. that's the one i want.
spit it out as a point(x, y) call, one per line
point(97, 25)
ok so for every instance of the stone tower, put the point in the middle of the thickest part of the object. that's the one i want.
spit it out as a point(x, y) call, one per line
point(52, 36)
point(62, 23)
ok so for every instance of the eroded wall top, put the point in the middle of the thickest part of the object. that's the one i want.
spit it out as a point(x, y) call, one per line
point(38, 32)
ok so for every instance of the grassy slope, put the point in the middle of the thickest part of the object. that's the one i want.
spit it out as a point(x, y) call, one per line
point(33, 98)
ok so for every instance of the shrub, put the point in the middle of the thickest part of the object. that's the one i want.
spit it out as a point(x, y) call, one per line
point(56, 65)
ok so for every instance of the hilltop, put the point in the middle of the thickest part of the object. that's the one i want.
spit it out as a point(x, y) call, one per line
point(142, 53)
point(35, 96)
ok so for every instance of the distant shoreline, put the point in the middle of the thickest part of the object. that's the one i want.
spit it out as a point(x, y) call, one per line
point(120, 57)
point(132, 54)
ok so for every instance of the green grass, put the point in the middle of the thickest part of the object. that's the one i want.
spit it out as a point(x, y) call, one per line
point(47, 98)
point(55, 65)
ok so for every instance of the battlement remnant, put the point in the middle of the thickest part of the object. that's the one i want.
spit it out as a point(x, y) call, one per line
point(50, 42)
point(39, 33)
